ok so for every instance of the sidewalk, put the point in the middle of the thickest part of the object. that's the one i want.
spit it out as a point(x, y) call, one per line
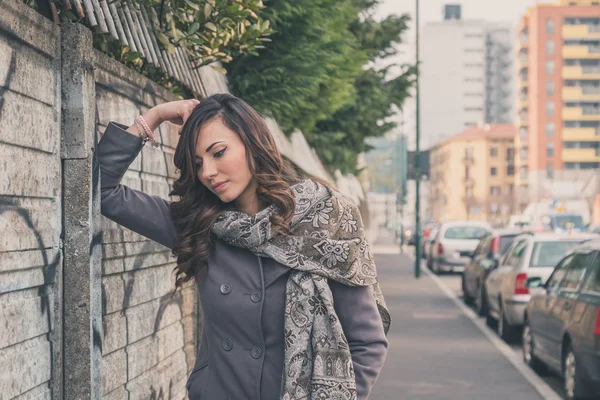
point(435, 351)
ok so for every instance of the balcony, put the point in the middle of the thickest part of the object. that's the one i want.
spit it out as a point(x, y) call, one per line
point(577, 72)
point(468, 160)
point(580, 155)
point(523, 103)
point(581, 134)
point(581, 93)
point(469, 182)
point(580, 114)
point(580, 31)
point(581, 51)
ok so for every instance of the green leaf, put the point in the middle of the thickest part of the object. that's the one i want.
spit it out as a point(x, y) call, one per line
point(193, 28)
point(207, 10)
point(133, 56)
point(163, 39)
point(192, 5)
point(211, 26)
point(220, 70)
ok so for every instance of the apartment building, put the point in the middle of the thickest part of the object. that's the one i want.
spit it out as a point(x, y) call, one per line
point(472, 175)
point(467, 75)
point(558, 105)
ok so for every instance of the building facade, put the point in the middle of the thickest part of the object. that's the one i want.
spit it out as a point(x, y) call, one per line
point(558, 104)
point(467, 76)
point(472, 175)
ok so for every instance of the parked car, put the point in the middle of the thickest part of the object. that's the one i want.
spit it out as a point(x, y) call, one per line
point(530, 255)
point(594, 228)
point(428, 242)
point(428, 232)
point(484, 260)
point(409, 236)
point(454, 243)
point(562, 322)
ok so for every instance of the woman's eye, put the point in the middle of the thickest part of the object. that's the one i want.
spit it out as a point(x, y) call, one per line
point(198, 165)
point(220, 153)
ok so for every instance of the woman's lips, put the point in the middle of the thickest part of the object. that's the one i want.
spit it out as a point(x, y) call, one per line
point(221, 187)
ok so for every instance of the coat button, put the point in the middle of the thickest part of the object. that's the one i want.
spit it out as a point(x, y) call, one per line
point(256, 352)
point(226, 288)
point(227, 344)
point(256, 297)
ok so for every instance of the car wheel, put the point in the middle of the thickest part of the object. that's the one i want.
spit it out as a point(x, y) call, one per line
point(505, 330)
point(437, 269)
point(528, 351)
point(573, 384)
point(481, 305)
point(467, 298)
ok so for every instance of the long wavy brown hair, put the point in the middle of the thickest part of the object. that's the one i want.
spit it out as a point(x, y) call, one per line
point(198, 208)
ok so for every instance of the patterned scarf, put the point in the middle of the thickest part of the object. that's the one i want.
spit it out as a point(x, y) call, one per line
point(327, 242)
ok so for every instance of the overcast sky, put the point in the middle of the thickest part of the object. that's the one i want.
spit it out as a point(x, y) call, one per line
point(431, 10)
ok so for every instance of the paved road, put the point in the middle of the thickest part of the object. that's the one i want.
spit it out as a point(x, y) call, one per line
point(452, 281)
point(436, 352)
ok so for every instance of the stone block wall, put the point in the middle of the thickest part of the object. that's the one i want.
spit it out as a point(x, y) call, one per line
point(30, 204)
point(149, 331)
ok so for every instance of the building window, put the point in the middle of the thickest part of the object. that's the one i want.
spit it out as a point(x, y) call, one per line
point(550, 108)
point(510, 170)
point(510, 154)
point(550, 67)
point(550, 47)
point(550, 26)
point(549, 149)
point(493, 171)
point(550, 88)
point(549, 129)
point(523, 171)
point(523, 153)
point(494, 152)
point(495, 190)
point(549, 171)
point(523, 133)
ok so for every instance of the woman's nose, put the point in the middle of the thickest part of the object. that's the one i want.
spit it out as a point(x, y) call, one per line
point(209, 170)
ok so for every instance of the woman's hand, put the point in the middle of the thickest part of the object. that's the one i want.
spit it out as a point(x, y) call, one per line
point(176, 112)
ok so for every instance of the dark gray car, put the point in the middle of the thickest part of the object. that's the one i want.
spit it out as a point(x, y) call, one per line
point(562, 322)
point(484, 260)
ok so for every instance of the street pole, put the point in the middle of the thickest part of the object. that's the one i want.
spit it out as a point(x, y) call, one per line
point(417, 160)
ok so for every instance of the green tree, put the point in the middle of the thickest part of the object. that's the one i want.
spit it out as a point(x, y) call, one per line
point(307, 72)
point(318, 74)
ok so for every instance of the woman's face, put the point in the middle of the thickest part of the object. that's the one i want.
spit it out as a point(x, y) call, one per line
point(221, 161)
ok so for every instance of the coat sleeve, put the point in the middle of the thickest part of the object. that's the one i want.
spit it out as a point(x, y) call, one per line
point(360, 319)
point(142, 213)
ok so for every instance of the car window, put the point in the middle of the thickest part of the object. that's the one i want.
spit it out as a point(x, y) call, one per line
point(465, 232)
point(548, 254)
point(505, 257)
point(592, 284)
point(518, 253)
point(483, 249)
point(559, 273)
point(577, 270)
point(505, 242)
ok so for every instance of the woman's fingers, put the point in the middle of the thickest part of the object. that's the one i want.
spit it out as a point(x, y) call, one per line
point(186, 111)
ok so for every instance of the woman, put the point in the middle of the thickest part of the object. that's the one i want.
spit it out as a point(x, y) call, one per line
point(288, 289)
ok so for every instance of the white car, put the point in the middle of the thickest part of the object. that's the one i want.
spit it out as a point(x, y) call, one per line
point(454, 243)
point(531, 255)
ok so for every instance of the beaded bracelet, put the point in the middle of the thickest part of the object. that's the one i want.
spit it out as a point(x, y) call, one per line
point(146, 134)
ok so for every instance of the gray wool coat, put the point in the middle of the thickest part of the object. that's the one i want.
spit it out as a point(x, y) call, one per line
point(242, 297)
